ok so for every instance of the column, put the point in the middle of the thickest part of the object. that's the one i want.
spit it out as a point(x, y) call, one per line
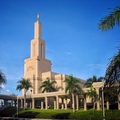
point(98, 99)
point(21, 103)
point(15, 103)
point(62, 103)
point(5, 102)
point(107, 105)
point(33, 103)
point(30, 104)
point(77, 102)
point(12, 103)
point(81, 102)
point(41, 104)
point(57, 102)
point(65, 103)
point(85, 105)
point(46, 103)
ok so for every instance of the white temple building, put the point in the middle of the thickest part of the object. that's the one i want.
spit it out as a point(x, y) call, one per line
point(37, 68)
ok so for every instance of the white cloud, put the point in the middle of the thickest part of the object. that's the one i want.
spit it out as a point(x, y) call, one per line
point(96, 66)
point(68, 53)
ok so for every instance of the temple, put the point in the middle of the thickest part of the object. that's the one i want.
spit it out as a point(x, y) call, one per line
point(37, 68)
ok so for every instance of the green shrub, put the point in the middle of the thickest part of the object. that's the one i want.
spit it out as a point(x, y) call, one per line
point(61, 114)
point(28, 114)
point(87, 115)
point(8, 112)
point(112, 115)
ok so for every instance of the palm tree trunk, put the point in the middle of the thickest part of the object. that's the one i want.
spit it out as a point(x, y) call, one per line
point(25, 101)
point(73, 102)
point(94, 106)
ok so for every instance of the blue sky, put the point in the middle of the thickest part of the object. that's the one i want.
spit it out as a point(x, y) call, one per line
point(74, 43)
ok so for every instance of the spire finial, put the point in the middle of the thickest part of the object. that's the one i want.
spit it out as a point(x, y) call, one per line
point(38, 17)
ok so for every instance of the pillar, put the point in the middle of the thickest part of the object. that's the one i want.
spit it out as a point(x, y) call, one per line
point(98, 99)
point(41, 104)
point(62, 103)
point(15, 103)
point(107, 105)
point(33, 103)
point(12, 103)
point(55, 103)
point(30, 104)
point(21, 103)
point(18, 103)
point(85, 105)
point(46, 103)
point(65, 103)
point(81, 102)
point(57, 98)
point(5, 102)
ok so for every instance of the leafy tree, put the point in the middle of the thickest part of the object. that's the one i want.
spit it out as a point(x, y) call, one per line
point(3, 80)
point(73, 87)
point(47, 86)
point(90, 81)
point(24, 84)
point(109, 21)
point(92, 94)
point(112, 74)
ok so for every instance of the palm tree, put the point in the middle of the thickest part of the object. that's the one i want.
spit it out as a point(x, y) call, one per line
point(47, 86)
point(92, 94)
point(72, 87)
point(112, 79)
point(3, 80)
point(24, 84)
point(90, 81)
point(108, 22)
point(112, 74)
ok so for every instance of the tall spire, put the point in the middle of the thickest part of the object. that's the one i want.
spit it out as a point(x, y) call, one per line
point(38, 17)
point(37, 28)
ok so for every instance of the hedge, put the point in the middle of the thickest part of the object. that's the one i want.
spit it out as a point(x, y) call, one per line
point(61, 114)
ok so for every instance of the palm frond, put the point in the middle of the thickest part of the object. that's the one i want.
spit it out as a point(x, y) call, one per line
point(2, 78)
point(24, 84)
point(90, 81)
point(111, 20)
point(72, 85)
point(47, 85)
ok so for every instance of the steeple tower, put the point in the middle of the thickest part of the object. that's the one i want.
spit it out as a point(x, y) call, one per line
point(37, 63)
point(37, 29)
point(38, 45)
